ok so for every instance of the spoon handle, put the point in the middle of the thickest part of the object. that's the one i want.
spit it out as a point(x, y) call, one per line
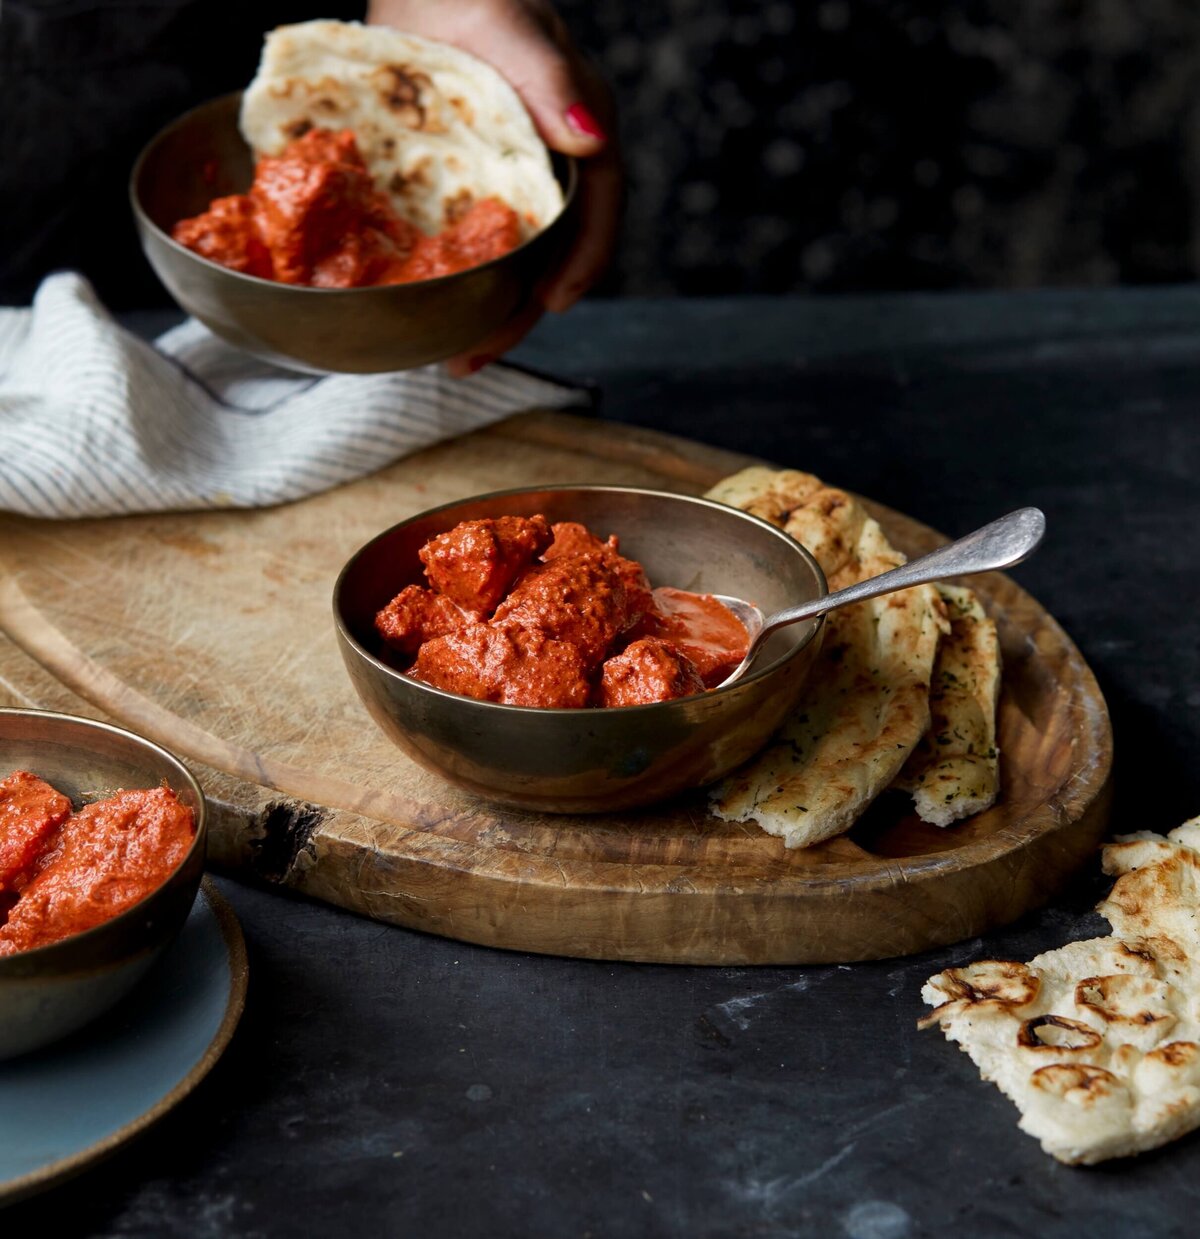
point(1000, 544)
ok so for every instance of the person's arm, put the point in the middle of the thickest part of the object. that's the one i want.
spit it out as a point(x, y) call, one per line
point(572, 109)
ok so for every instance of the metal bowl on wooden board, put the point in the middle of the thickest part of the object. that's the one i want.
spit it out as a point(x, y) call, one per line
point(50, 991)
point(202, 156)
point(590, 760)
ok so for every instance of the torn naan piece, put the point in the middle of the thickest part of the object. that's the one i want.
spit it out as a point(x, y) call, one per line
point(867, 702)
point(772, 494)
point(439, 128)
point(955, 769)
point(1098, 1042)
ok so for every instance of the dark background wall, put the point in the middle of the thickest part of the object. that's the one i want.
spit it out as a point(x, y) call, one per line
point(864, 144)
point(772, 146)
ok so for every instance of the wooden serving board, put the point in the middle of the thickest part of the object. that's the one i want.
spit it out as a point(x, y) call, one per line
point(212, 633)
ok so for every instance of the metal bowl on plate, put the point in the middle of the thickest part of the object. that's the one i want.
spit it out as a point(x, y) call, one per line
point(202, 156)
point(50, 991)
point(590, 760)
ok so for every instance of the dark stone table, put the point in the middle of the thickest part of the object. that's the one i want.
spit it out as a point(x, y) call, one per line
point(384, 1082)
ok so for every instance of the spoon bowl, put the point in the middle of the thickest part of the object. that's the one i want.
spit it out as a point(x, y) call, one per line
point(999, 544)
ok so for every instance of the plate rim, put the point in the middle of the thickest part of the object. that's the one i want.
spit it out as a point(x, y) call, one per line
point(53, 1173)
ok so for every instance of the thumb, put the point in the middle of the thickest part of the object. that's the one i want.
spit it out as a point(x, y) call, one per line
point(564, 99)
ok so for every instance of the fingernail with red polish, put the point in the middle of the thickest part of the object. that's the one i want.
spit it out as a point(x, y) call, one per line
point(582, 121)
point(477, 363)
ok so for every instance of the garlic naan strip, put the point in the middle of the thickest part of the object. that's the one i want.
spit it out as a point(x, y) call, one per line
point(867, 702)
point(955, 770)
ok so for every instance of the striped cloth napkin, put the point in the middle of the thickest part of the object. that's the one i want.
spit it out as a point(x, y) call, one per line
point(96, 422)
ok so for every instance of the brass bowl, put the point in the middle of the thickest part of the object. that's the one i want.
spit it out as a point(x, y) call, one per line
point(53, 990)
point(591, 760)
point(202, 156)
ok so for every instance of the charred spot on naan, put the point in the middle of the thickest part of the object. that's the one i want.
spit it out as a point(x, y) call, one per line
point(457, 205)
point(414, 179)
point(325, 94)
point(404, 92)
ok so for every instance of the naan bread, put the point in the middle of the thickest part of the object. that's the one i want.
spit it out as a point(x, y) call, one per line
point(438, 128)
point(772, 494)
point(867, 703)
point(955, 770)
point(1098, 1042)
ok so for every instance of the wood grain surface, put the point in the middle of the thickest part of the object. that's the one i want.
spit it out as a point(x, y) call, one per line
point(212, 634)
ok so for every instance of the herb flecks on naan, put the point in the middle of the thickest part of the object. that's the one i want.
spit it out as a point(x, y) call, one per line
point(1098, 1042)
point(867, 704)
point(439, 129)
point(955, 769)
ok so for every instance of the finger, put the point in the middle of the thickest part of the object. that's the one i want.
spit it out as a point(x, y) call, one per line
point(567, 105)
point(599, 207)
point(498, 343)
point(529, 44)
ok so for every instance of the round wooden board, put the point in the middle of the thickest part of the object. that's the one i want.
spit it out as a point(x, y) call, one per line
point(212, 634)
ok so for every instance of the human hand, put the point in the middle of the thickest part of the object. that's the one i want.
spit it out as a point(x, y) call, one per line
point(528, 43)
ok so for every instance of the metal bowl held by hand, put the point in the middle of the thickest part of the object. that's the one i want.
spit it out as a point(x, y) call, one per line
point(50, 991)
point(590, 760)
point(202, 156)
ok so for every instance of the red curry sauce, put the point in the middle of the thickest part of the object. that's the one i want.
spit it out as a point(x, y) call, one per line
point(525, 613)
point(314, 216)
point(30, 812)
point(700, 627)
point(85, 868)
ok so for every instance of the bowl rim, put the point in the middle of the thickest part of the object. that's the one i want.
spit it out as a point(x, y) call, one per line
point(570, 188)
point(343, 628)
point(199, 840)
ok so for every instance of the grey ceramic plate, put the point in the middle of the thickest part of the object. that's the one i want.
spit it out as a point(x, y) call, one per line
point(78, 1101)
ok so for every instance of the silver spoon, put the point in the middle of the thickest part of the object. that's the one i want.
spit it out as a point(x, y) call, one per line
point(1001, 544)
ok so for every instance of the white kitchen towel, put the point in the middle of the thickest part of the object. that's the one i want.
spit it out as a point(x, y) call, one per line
point(97, 422)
